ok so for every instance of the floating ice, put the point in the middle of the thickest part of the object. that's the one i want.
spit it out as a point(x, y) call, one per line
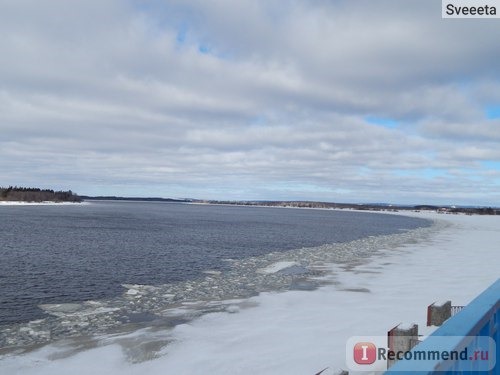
point(293, 332)
point(299, 269)
point(212, 272)
point(61, 309)
point(273, 268)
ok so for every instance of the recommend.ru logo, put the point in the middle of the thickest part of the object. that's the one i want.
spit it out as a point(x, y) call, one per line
point(371, 353)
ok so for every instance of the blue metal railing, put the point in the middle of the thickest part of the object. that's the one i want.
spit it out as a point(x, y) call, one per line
point(477, 320)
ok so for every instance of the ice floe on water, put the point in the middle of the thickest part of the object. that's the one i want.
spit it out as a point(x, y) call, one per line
point(275, 267)
point(76, 309)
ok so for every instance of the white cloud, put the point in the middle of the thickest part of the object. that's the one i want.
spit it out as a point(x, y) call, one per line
point(103, 97)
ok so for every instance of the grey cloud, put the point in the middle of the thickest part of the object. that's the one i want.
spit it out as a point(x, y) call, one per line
point(102, 96)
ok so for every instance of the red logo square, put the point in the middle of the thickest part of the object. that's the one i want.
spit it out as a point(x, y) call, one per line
point(365, 353)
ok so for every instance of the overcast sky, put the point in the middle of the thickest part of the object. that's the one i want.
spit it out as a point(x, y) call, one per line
point(347, 101)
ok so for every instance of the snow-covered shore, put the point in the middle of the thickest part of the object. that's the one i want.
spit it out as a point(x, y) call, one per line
point(19, 203)
point(303, 332)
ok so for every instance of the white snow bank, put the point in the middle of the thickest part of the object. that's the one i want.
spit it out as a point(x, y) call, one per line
point(17, 203)
point(301, 332)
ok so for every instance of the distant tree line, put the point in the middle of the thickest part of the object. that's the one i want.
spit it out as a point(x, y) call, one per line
point(29, 194)
point(363, 207)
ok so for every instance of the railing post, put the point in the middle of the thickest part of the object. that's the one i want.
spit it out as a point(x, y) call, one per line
point(401, 339)
point(438, 314)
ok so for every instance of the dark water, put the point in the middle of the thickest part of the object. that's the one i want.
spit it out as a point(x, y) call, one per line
point(56, 254)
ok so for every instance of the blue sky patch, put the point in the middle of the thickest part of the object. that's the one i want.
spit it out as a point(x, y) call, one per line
point(490, 164)
point(181, 35)
point(493, 113)
point(385, 122)
point(433, 172)
point(203, 48)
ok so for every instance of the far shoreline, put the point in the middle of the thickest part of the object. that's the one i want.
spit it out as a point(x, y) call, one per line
point(43, 203)
point(383, 210)
point(411, 211)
